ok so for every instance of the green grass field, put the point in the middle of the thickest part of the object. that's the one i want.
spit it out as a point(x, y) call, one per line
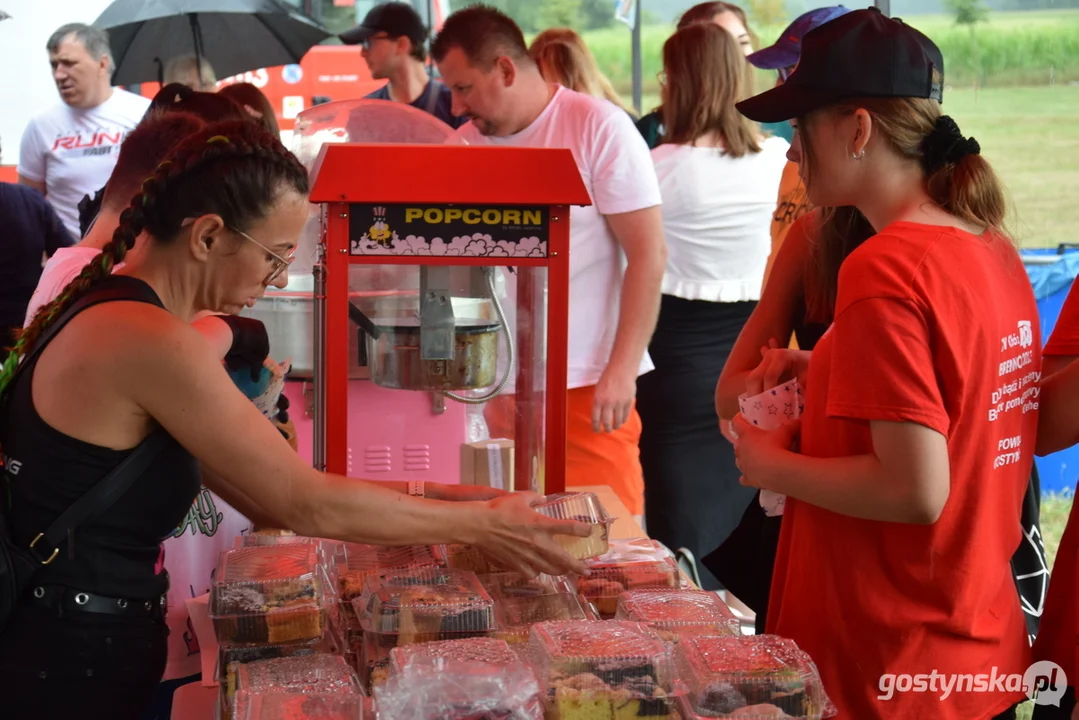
point(1010, 49)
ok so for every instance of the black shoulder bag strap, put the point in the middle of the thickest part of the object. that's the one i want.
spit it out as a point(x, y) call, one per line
point(111, 487)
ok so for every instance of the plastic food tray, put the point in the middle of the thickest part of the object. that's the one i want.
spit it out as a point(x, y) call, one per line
point(417, 606)
point(611, 577)
point(326, 674)
point(365, 561)
point(673, 613)
point(299, 706)
point(762, 676)
point(584, 507)
point(613, 669)
point(244, 653)
point(509, 585)
point(624, 550)
point(471, 679)
point(272, 594)
point(518, 615)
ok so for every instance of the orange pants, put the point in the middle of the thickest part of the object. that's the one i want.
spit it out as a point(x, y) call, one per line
point(592, 458)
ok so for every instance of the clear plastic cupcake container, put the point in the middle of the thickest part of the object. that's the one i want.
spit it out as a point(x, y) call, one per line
point(584, 507)
point(299, 706)
point(272, 594)
point(471, 679)
point(762, 676)
point(673, 613)
point(610, 577)
point(418, 606)
point(617, 670)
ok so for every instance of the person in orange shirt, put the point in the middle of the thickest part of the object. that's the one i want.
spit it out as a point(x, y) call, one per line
point(893, 569)
point(1058, 428)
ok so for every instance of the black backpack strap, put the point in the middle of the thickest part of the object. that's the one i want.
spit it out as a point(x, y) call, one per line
point(110, 488)
point(100, 497)
point(127, 289)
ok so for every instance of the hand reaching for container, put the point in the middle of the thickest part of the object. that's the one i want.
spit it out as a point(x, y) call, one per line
point(518, 538)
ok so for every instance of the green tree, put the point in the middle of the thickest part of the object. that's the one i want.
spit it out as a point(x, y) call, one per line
point(559, 13)
point(596, 14)
point(967, 12)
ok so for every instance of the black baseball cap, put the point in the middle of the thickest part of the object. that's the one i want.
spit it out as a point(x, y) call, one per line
point(396, 19)
point(859, 54)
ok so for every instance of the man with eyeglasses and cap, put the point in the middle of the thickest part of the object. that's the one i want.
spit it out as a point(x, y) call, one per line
point(393, 39)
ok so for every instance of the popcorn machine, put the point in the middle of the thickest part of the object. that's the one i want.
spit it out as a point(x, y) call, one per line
point(445, 269)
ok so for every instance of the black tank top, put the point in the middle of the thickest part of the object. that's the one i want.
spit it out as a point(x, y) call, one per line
point(119, 553)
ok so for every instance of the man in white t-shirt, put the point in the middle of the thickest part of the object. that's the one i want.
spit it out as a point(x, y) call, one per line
point(482, 57)
point(69, 150)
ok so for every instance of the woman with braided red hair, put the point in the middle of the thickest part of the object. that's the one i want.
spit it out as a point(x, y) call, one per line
point(113, 363)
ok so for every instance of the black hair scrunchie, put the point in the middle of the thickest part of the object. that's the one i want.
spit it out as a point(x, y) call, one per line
point(946, 145)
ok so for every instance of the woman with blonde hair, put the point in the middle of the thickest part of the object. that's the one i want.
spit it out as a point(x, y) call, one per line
point(725, 15)
point(563, 58)
point(718, 176)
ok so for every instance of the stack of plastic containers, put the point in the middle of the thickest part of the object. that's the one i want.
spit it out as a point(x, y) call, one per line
point(270, 601)
point(584, 507)
point(269, 595)
point(603, 670)
point(318, 683)
point(470, 679)
point(366, 562)
point(415, 606)
point(523, 602)
point(754, 677)
point(627, 565)
point(676, 613)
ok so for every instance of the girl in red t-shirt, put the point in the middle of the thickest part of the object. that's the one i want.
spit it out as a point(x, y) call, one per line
point(893, 568)
point(1058, 428)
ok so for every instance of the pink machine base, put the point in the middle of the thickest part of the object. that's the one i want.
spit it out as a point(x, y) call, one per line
point(382, 427)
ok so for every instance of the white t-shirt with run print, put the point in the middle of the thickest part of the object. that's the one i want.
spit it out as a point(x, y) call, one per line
point(211, 525)
point(73, 150)
point(618, 172)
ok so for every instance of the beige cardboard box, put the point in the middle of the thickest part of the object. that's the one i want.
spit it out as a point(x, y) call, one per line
point(488, 463)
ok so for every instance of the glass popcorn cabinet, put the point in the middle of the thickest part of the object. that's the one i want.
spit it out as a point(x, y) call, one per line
point(441, 311)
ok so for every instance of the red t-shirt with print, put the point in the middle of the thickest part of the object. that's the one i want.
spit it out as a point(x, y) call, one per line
point(1057, 639)
point(938, 327)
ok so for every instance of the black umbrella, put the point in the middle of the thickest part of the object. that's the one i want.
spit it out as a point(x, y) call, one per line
point(234, 35)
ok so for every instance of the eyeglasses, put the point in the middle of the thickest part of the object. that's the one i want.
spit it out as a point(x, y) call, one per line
point(280, 264)
point(366, 43)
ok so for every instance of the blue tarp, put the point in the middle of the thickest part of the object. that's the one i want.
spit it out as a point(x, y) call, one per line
point(1052, 282)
